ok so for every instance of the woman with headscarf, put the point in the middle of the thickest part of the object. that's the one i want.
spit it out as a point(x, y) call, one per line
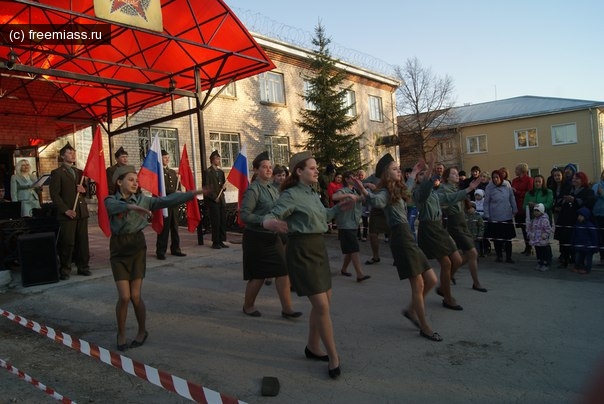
point(499, 210)
point(22, 190)
point(578, 196)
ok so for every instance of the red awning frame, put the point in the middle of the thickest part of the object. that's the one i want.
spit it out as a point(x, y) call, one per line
point(52, 89)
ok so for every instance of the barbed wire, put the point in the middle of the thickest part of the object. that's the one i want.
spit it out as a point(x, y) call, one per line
point(260, 24)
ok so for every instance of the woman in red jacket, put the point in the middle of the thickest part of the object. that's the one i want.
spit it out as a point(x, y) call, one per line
point(522, 184)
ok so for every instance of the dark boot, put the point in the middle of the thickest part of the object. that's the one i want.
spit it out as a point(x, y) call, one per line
point(527, 249)
point(498, 251)
point(508, 252)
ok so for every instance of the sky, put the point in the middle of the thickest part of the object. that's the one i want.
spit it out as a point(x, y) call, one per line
point(492, 50)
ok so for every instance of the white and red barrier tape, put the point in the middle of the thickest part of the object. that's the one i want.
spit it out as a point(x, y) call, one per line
point(157, 377)
point(35, 382)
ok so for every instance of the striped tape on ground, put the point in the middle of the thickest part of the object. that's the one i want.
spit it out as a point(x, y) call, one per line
point(155, 376)
point(36, 383)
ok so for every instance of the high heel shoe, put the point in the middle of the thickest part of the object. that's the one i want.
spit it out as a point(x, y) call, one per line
point(334, 373)
point(310, 355)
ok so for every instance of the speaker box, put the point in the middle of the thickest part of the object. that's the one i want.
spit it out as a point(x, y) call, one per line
point(38, 258)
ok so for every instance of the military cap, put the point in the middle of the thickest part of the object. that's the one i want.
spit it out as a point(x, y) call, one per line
point(214, 153)
point(298, 157)
point(120, 152)
point(260, 158)
point(122, 170)
point(164, 153)
point(382, 164)
point(65, 148)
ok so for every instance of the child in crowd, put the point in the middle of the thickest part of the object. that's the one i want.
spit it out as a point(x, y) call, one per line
point(584, 241)
point(539, 232)
point(476, 226)
point(485, 248)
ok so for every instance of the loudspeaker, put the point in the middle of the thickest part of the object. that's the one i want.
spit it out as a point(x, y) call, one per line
point(38, 258)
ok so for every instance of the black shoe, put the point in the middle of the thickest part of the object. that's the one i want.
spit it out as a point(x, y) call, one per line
point(216, 246)
point(136, 344)
point(161, 257)
point(121, 347)
point(293, 314)
point(334, 373)
point(84, 272)
point(179, 254)
point(310, 355)
point(456, 307)
point(476, 288)
point(363, 278)
point(222, 245)
point(254, 313)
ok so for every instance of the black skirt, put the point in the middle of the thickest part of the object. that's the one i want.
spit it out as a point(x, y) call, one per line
point(500, 230)
point(308, 264)
point(263, 255)
point(434, 240)
point(349, 242)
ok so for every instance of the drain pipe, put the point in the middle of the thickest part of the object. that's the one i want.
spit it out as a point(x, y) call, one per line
point(193, 152)
point(596, 155)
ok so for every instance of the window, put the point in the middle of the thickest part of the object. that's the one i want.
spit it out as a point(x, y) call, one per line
point(525, 138)
point(564, 134)
point(533, 172)
point(278, 149)
point(308, 104)
point(229, 90)
point(476, 144)
point(168, 141)
point(446, 147)
point(227, 145)
point(350, 103)
point(375, 108)
point(271, 88)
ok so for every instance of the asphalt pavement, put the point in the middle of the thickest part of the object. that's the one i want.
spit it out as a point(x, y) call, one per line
point(532, 338)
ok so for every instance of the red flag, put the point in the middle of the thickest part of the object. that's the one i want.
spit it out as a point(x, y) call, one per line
point(186, 179)
point(238, 177)
point(95, 170)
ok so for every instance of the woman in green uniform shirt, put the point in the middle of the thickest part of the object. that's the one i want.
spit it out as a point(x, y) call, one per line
point(391, 195)
point(128, 212)
point(300, 213)
point(263, 250)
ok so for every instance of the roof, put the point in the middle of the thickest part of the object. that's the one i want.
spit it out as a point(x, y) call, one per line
point(51, 88)
point(516, 108)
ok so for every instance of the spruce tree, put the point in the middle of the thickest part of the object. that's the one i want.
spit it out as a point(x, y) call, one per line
point(326, 121)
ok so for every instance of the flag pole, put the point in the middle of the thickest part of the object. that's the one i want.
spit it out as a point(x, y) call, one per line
point(220, 193)
point(75, 202)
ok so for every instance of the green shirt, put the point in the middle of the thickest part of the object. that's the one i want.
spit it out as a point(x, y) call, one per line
point(349, 219)
point(258, 200)
point(395, 214)
point(124, 221)
point(451, 198)
point(300, 206)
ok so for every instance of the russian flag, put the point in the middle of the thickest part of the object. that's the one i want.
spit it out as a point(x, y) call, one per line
point(238, 177)
point(151, 178)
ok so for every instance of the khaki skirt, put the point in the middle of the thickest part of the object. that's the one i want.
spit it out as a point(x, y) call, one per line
point(458, 230)
point(263, 255)
point(349, 243)
point(409, 260)
point(128, 256)
point(308, 264)
point(434, 240)
point(377, 222)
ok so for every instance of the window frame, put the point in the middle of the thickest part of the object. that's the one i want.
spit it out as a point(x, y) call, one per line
point(375, 109)
point(552, 130)
point(228, 145)
point(350, 102)
point(166, 142)
point(531, 141)
point(477, 138)
point(281, 155)
point(308, 105)
point(272, 88)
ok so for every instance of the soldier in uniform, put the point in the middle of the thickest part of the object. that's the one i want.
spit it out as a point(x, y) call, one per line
point(67, 193)
point(170, 222)
point(214, 181)
point(121, 159)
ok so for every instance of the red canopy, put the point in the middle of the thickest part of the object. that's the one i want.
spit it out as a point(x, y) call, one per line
point(50, 88)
